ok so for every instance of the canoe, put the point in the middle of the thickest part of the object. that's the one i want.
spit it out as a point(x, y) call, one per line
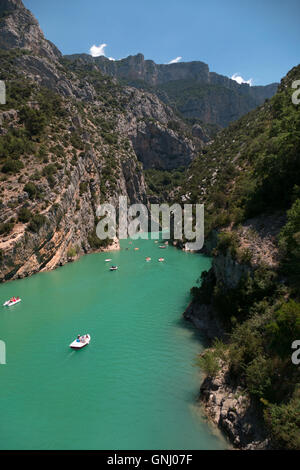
point(84, 341)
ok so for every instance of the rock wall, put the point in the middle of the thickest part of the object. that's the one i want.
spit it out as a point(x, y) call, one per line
point(189, 87)
point(223, 398)
point(227, 405)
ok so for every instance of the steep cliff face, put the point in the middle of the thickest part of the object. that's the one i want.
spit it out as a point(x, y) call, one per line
point(155, 143)
point(70, 139)
point(48, 211)
point(233, 411)
point(159, 137)
point(188, 87)
point(19, 29)
point(135, 68)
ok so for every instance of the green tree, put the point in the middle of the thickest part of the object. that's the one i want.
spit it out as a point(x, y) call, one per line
point(285, 327)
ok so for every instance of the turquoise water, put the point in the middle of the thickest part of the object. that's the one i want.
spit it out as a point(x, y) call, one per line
point(134, 386)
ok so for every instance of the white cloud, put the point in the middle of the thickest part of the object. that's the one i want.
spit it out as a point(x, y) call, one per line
point(175, 61)
point(98, 51)
point(239, 79)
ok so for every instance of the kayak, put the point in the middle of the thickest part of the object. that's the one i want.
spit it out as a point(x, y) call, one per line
point(107, 260)
point(10, 303)
point(81, 343)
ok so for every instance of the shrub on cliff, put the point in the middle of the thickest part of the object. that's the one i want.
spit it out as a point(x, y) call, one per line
point(71, 252)
point(284, 423)
point(258, 376)
point(209, 363)
point(37, 223)
point(227, 241)
point(6, 228)
point(289, 242)
point(15, 144)
point(24, 215)
point(285, 328)
point(96, 243)
point(31, 190)
point(12, 166)
point(34, 120)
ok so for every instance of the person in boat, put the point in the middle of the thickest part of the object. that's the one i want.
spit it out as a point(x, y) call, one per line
point(78, 339)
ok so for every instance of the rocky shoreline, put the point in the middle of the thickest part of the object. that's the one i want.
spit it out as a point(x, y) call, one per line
point(114, 246)
point(222, 398)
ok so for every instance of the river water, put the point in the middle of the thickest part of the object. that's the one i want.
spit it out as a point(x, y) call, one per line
point(134, 386)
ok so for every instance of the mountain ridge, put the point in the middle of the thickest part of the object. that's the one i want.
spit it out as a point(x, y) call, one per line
point(208, 96)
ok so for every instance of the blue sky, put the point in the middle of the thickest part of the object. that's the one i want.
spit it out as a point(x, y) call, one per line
point(258, 39)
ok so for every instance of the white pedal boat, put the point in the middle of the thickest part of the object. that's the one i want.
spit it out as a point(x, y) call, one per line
point(81, 342)
point(10, 303)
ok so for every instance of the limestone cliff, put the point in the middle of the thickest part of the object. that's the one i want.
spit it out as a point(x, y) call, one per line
point(189, 87)
point(70, 139)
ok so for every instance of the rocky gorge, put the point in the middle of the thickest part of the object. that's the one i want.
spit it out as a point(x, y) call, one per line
point(85, 139)
point(78, 131)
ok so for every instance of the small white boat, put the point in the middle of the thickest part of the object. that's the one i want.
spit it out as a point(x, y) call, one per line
point(161, 260)
point(10, 303)
point(163, 247)
point(108, 260)
point(81, 342)
point(114, 268)
point(148, 259)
